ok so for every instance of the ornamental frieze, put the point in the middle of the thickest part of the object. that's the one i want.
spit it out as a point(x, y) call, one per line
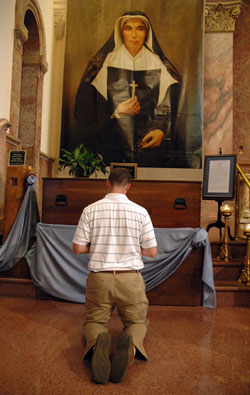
point(221, 16)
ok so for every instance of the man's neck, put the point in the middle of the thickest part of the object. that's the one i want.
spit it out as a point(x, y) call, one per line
point(117, 190)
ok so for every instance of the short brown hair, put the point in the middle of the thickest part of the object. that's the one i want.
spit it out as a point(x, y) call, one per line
point(119, 176)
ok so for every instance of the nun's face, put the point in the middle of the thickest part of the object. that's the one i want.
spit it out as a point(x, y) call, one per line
point(134, 34)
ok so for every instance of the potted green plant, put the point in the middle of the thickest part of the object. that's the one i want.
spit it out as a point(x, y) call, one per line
point(81, 162)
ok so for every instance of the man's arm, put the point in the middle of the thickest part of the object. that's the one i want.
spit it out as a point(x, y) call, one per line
point(79, 249)
point(151, 252)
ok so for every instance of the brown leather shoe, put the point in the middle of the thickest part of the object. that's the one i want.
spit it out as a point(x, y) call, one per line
point(123, 358)
point(100, 362)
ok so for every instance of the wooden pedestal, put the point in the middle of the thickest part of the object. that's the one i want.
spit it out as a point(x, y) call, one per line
point(14, 193)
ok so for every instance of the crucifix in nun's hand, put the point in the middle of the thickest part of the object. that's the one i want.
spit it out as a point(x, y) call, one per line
point(133, 85)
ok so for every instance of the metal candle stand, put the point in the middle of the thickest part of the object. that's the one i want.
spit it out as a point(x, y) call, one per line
point(224, 253)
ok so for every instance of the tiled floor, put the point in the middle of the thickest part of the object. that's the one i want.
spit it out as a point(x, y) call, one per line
point(192, 350)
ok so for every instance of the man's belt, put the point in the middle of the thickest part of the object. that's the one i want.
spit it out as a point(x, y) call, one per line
point(117, 271)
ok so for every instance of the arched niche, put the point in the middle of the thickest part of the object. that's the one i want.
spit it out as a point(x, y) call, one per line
point(29, 66)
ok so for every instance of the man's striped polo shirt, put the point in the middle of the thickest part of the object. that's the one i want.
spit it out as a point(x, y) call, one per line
point(117, 228)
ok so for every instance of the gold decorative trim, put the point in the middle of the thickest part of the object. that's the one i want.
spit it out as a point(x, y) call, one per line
point(221, 16)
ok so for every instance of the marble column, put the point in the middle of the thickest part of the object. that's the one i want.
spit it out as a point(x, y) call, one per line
point(218, 91)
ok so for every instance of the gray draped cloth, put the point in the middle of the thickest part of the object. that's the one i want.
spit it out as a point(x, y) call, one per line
point(17, 242)
point(56, 270)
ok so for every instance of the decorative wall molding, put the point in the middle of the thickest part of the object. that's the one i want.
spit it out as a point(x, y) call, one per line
point(4, 124)
point(221, 16)
point(21, 35)
point(13, 141)
point(60, 11)
point(21, 32)
point(35, 59)
point(43, 65)
point(46, 157)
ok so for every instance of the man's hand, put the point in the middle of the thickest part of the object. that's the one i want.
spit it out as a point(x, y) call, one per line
point(129, 107)
point(152, 139)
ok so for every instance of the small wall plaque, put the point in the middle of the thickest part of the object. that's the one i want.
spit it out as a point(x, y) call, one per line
point(17, 158)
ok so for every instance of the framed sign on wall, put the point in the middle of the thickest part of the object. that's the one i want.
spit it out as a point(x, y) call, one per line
point(219, 177)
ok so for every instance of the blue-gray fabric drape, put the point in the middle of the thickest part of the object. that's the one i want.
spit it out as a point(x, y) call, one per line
point(17, 242)
point(56, 270)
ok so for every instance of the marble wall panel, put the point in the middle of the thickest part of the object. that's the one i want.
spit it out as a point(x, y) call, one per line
point(218, 84)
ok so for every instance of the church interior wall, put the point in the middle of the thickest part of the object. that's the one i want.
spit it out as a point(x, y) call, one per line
point(217, 109)
point(241, 105)
point(7, 14)
point(11, 68)
point(47, 10)
point(7, 25)
point(59, 38)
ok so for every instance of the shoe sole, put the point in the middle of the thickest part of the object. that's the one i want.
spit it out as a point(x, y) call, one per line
point(100, 362)
point(121, 360)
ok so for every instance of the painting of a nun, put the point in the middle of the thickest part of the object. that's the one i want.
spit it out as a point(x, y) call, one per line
point(129, 104)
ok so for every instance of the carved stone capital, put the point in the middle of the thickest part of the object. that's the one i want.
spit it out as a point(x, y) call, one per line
point(43, 65)
point(59, 22)
point(221, 16)
point(4, 124)
point(21, 33)
point(35, 59)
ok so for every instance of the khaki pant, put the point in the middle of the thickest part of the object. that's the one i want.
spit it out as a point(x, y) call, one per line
point(126, 291)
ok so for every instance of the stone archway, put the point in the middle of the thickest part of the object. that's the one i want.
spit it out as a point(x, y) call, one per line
point(29, 66)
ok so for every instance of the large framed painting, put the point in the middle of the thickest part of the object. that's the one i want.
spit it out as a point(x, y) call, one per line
point(133, 81)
